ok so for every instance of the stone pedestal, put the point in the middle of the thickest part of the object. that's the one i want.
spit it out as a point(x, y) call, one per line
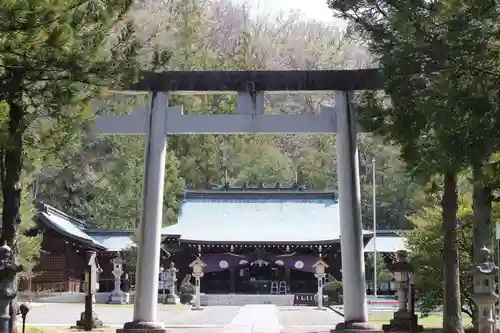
point(173, 299)
point(355, 327)
point(96, 322)
point(122, 298)
point(403, 321)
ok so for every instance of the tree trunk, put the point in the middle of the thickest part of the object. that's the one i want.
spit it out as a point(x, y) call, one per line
point(11, 187)
point(482, 219)
point(481, 205)
point(452, 310)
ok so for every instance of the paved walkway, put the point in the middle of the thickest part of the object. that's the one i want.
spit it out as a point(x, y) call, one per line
point(180, 319)
point(255, 319)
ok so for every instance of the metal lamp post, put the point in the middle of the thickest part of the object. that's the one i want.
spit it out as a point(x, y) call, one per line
point(319, 269)
point(197, 265)
point(374, 204)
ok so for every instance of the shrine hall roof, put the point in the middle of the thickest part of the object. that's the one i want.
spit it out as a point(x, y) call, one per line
point(75, 229)
point(387, 241)
point(258, 216)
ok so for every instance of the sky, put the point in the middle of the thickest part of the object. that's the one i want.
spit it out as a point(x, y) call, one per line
point(311, 9)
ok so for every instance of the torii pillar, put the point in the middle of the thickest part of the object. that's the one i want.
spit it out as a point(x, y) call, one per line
point(159, 119)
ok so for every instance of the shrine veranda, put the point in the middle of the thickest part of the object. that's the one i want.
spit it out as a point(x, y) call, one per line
point(248, 237)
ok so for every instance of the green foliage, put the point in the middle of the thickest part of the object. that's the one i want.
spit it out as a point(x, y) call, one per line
point(440, 64)
point(425, 244)
point(385, 275)
point(100, 179)
point(187, 289)
point(333, 289)
point(28, 246)
point(369, 263)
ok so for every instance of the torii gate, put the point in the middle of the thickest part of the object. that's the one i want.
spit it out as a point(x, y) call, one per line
point(158, 119)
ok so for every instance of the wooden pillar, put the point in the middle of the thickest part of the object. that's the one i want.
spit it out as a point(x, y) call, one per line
point(287, 276)
point(231, 280)
point(68, 263)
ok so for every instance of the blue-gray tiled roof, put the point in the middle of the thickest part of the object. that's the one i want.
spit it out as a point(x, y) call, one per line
point(113, 240)
point(263, 217)
point(107, 240)
point(387, 244)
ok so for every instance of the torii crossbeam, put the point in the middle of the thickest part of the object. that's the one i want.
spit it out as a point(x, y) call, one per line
point(158, 120)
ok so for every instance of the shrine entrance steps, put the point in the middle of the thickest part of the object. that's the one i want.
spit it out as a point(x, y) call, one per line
point(245, 299)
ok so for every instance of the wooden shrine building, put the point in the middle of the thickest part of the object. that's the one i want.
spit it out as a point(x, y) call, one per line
point(248, 237)
point(64, 242)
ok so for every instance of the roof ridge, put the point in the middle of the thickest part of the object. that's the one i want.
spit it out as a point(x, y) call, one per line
point(262, 194)
point(81, 224)
point(103, 231)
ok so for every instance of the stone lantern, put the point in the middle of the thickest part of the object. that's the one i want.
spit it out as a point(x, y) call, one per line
point(117, 295)
point(405, 319)
point(171, 284)
point(319, 269)
point(8, 288)
point(197, 265)
point(484, 294)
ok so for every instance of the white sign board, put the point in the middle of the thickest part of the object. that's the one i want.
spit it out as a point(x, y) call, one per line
point(498, 231)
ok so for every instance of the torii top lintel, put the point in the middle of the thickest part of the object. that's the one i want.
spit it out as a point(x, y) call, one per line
point(240, 81)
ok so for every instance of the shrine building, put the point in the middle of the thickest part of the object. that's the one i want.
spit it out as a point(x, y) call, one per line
point(251, 240)
point(64, 242)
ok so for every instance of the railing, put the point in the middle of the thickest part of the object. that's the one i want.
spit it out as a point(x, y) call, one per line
point(39, 290)
point(303, 286)
point(107, 285)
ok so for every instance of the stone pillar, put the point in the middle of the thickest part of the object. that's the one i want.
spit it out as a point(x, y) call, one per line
point(197, 282)
point(148, 251)
point(320, 278)
point(351, 237)
point(405, 320)
point(484, 294)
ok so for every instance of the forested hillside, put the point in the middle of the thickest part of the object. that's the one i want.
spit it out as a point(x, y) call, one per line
point(100, 179)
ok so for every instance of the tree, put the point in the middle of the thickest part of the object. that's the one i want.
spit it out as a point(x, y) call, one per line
point(56, 56)
point(425, 244)
point(91, 171)
point(425, 86)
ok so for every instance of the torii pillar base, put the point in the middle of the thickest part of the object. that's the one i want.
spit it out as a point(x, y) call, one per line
point(355, 327)
point(403, 321)
point(142, 327)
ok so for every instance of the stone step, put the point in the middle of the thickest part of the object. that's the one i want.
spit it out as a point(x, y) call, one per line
point(241, 299)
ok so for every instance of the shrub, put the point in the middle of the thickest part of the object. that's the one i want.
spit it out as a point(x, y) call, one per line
point(188, 289)
point(333, 289)
point(187, 292)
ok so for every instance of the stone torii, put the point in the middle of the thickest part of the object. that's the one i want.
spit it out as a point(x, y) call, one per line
point(158, 119)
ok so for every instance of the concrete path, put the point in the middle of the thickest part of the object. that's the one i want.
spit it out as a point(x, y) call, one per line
point(257, 318)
